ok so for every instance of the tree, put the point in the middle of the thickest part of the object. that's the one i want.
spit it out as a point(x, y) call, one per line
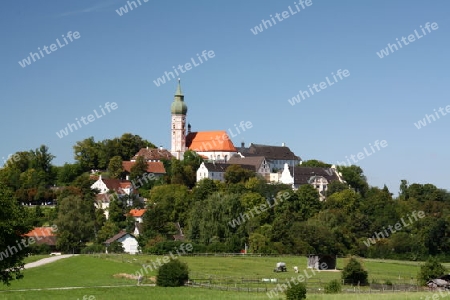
point(355, 177)
point(139, 168)
point(430, 270)
point(172, 274)
point(76, 220)
point(41, 160)
point(336, 186)
point(67, 174)
point(436, 239)
point(87, 154)
point(236, 174)
point(314, 163)
point(96, 155)
point(354, 273)
point(117, 213)
point(13, 225)
point(115, 167)
point(108, 230)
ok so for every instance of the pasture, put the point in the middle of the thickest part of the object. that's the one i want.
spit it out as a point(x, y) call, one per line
point(97, 276)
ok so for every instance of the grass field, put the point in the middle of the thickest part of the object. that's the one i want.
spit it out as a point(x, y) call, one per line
point(93, 276)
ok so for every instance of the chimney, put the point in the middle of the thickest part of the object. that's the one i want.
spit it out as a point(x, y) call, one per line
point(283, 145)
point(242, 144)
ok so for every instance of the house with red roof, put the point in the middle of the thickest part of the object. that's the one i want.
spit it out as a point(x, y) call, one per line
point(138, 215)
point(156, 168)
point(43, 235)
point(153, 154)
point(110, 189)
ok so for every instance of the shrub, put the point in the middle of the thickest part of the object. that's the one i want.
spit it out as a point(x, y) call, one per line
point(296, 292)
point(430, 270)
point(116, 247)
point(172, 274)
point(354, 273)
point(94, 248)
point(40, 249)
point(333, 287)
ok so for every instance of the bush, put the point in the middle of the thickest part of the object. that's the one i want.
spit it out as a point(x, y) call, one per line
point(430, 270)
point(40, 249)
point(354, 273)
point(296, 292)
point(116, 247)
point(172, 274)
point(94, 248)
point(333, 287)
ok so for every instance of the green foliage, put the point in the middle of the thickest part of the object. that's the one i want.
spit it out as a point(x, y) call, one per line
point(115, 167)
point(333, 287)
point(13, 224)
point(76, 220)
point(296, 292)
point(94, 248)
point(172, 274)
point(355, 177)
point(40, 249)
point(353, 273)
point(139, 168)
point(184, 171)
point(314, 163)
point(97, 155)
point(237, 174)
point(67, 174)
point(116, 247)
point(430, 270)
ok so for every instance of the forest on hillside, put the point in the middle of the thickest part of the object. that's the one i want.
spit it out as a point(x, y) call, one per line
point(356, 218)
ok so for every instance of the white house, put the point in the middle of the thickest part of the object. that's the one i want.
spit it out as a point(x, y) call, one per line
point(318, 177)
point(110, 189)
point(214, 171)
point(138, 215)
point(105, 185)
point(128, 241)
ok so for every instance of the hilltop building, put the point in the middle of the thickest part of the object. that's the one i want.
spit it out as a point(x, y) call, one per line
point(211, 145)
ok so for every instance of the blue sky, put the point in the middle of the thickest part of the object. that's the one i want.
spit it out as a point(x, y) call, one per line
point(250, 78)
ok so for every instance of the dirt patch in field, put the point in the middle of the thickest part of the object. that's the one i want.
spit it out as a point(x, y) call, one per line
point(133, 277)
point(125, 275)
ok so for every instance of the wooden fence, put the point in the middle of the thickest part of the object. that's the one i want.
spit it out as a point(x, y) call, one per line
point(313, 285)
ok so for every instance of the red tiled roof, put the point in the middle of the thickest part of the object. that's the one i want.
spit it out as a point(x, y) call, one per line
point(152, 166)
point(208, 141)
point(41, 232)
point(137, 212)
point(153, 154)
point(125, 185)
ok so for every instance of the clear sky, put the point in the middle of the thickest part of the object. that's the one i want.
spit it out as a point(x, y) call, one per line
point(250, 78)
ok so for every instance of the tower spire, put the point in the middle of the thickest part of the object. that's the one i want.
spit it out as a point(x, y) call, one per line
point(178, 92)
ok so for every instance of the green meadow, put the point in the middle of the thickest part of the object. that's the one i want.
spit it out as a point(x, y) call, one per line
point(93, 276)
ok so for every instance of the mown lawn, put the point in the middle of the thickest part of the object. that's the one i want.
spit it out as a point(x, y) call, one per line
point(94, 274)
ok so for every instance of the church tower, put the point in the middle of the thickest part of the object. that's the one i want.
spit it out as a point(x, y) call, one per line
point(178, 126)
